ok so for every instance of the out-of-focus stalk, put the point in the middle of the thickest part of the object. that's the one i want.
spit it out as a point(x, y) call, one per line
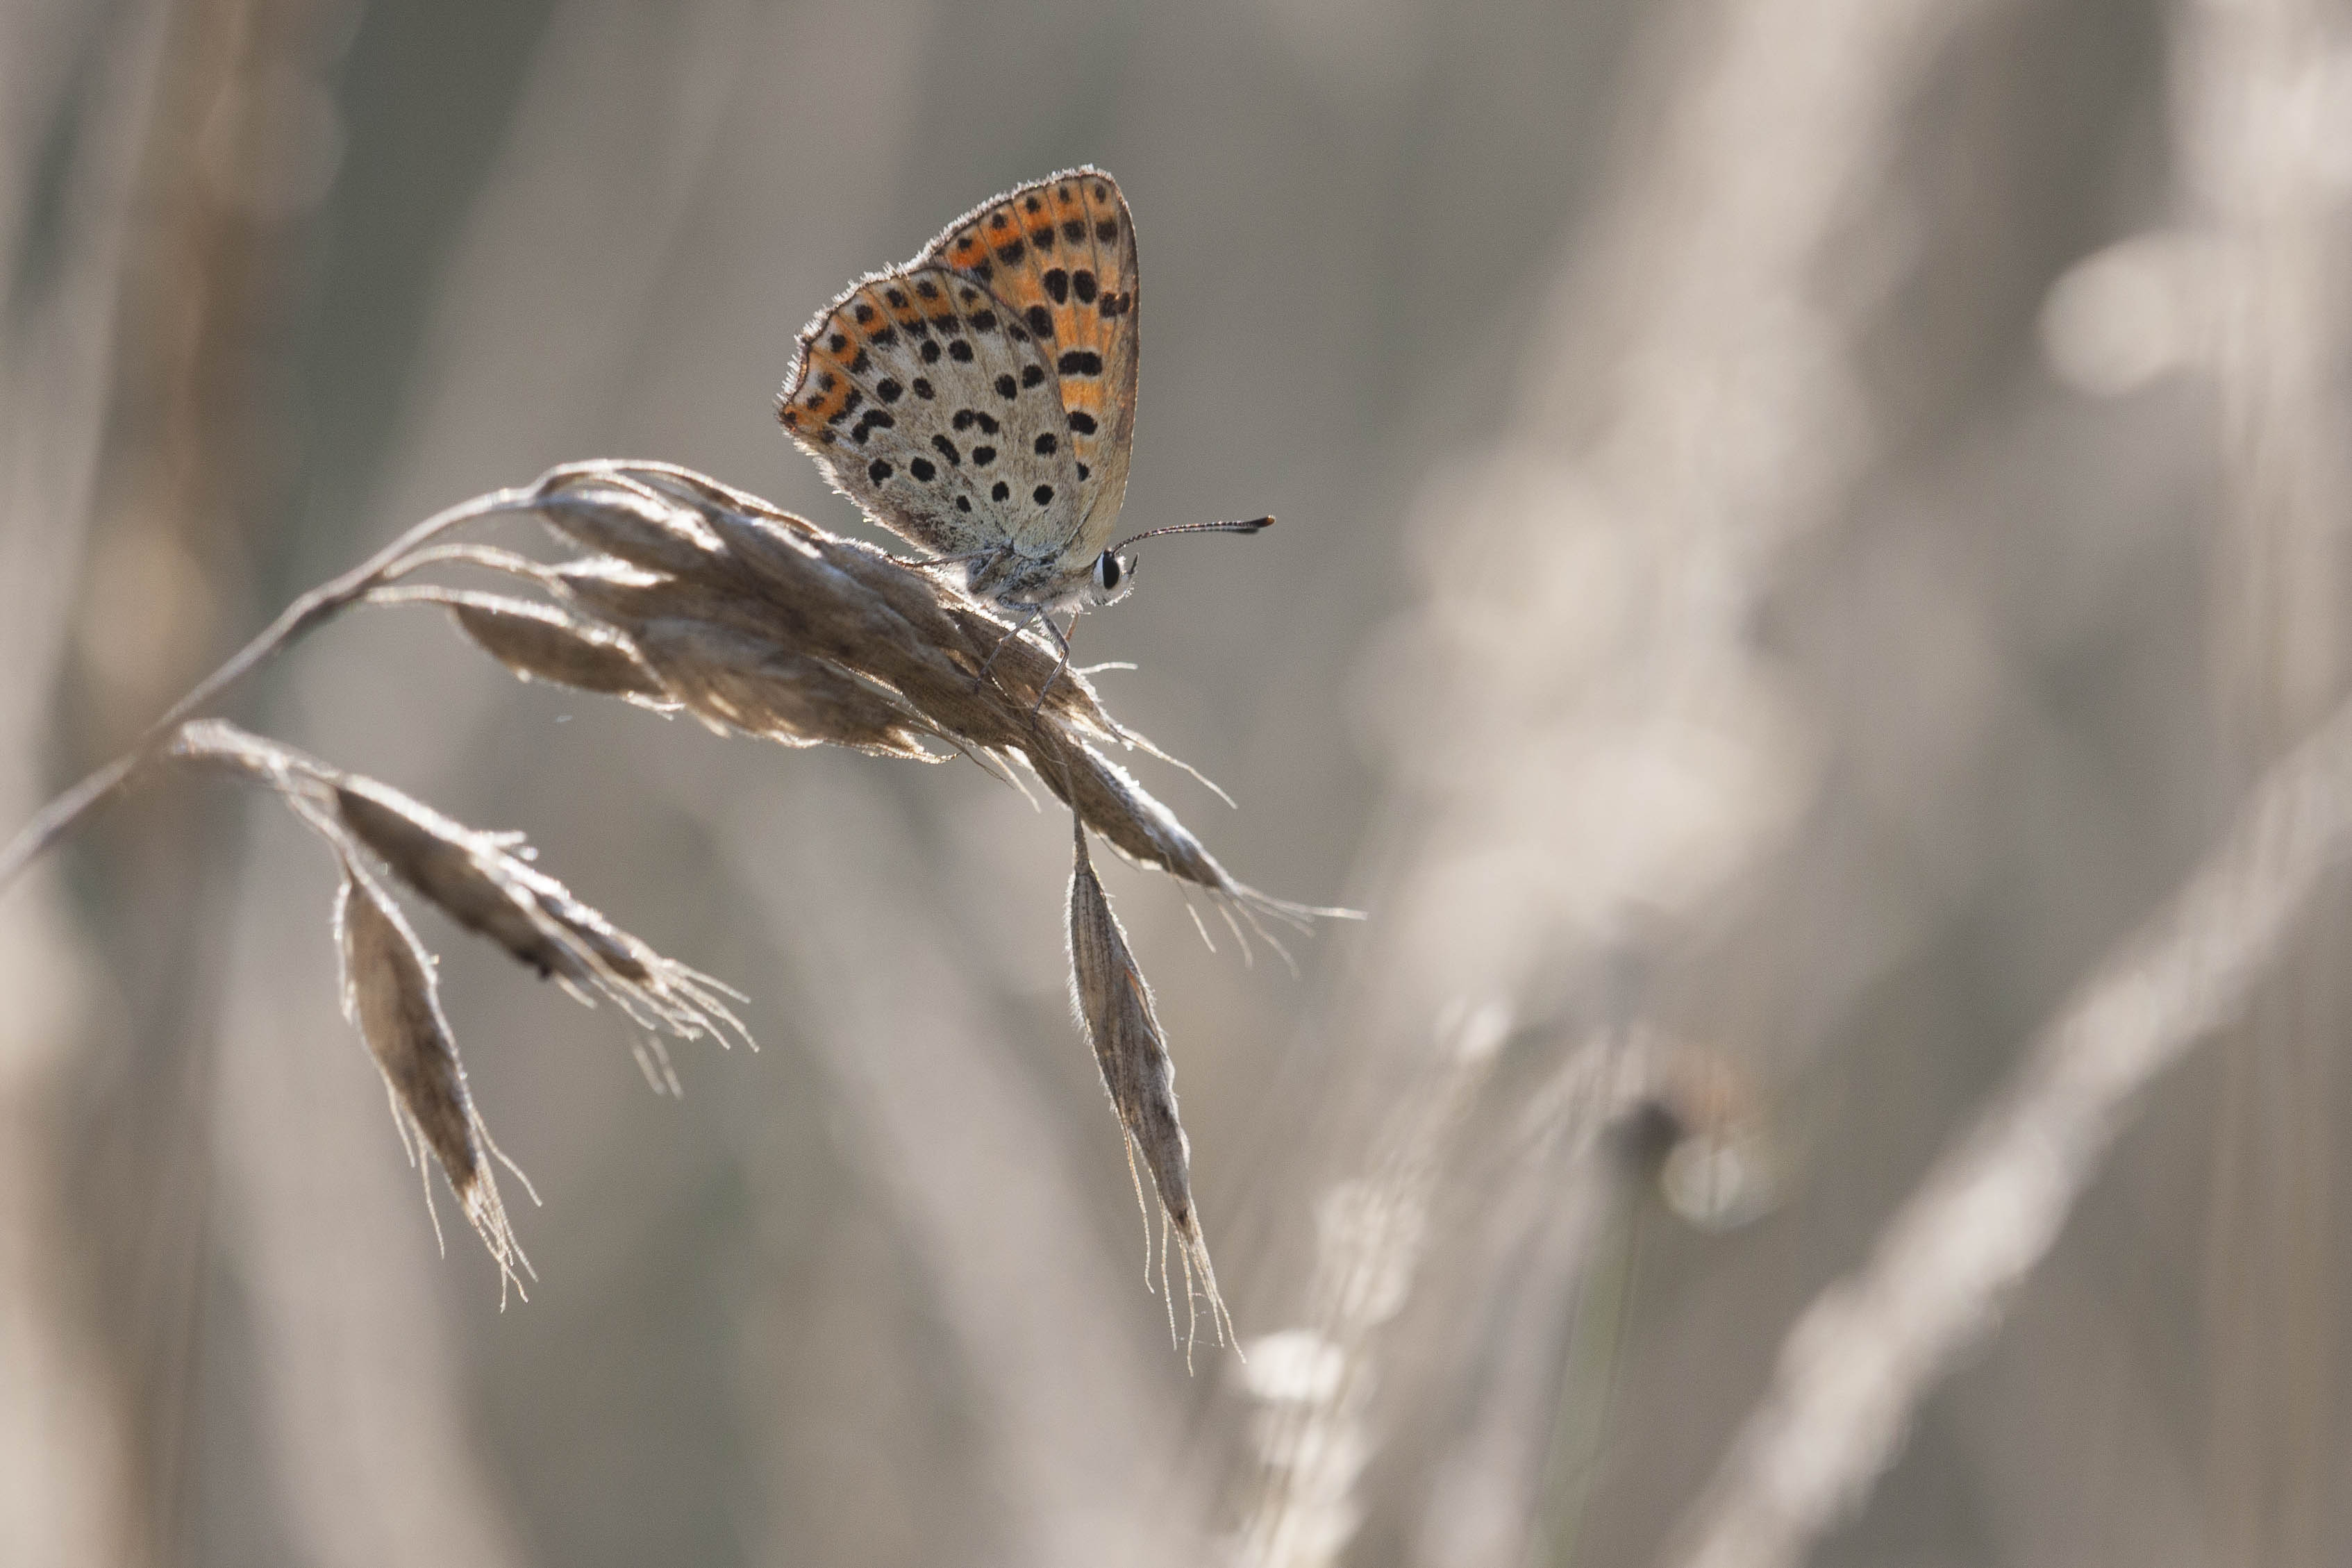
point(1855, 1366)
point(2263, 115)
point(1589, 746)
point(70, 1476)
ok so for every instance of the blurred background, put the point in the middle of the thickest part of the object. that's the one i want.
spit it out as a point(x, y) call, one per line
point(1801, 524)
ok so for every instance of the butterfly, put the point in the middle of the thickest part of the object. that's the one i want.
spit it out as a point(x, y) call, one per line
point(978, 401)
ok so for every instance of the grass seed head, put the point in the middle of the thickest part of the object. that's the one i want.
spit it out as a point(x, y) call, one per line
point(1113, 1003)
point(732, 681)
point(540, 642)
point(391, 996)
point(482, 881)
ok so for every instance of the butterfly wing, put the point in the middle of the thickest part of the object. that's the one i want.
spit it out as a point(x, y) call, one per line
point(920, 396)
point(1059, 254)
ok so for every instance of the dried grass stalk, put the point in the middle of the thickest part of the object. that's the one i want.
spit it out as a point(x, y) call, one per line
point(706, 597)
point(392, 998)
point(697, 596)
point(1113, 1003)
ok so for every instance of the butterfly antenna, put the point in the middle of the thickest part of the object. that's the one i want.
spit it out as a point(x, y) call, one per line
point(1251, 525)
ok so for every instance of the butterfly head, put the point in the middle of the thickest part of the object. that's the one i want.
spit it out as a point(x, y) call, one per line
point(1113, 578)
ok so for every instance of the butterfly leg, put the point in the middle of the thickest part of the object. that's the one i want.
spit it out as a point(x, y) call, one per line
point(1061, 640)
point(1018, 628)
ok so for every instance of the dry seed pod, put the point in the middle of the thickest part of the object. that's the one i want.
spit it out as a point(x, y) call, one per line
point(391, 996)
point(840, 584)
point(732, 681)
point(435, 856)
point(689, 553)
point(1113, 1003)
point(478, 880)
point(541, 643)
point(609, 512)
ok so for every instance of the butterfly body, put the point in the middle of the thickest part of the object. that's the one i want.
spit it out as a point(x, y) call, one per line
point(980, 400)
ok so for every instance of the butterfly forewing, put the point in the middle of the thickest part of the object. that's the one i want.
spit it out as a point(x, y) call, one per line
point(1059, 254)
point(927, 402)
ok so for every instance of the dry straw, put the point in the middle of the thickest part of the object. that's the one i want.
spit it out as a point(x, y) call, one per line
point(684, 594)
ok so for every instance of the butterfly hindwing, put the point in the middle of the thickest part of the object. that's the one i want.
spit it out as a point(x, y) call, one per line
point(921, 397)
point(1059, 254)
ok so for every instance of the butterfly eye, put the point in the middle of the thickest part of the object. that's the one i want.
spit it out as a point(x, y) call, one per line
point(1108, 571)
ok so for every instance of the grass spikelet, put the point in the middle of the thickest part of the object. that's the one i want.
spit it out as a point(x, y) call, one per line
point(1113, 1003)
point(482, 881)
point(732, 681)
point(391, 996)
point(541, 643)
